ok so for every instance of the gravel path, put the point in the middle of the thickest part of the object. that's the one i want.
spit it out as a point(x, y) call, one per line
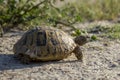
point(101, 62)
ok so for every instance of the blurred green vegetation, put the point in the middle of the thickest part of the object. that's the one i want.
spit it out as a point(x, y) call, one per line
point(98, 9)
point(30, 13)
point(114, 32)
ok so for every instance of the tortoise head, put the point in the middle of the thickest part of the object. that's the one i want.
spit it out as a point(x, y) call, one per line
point(80, 40)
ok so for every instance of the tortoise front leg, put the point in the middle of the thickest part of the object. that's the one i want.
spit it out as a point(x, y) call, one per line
point(78, 53)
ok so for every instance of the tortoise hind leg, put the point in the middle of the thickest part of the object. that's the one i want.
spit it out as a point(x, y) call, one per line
point(78, 53)
point(25, 59)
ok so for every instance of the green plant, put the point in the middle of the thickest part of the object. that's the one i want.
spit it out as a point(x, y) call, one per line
point(98, 9)
point(15, 12)
point(114, 32)
point(79, 32)
point(30, 12)
point(94, 37)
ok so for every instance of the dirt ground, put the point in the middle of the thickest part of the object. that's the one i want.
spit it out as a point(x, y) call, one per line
point(101, 61)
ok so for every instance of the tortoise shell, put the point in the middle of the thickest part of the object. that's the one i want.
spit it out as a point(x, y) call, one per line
point(45, 43)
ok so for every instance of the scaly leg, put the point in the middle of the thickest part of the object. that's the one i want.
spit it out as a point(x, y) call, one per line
point(78, 53)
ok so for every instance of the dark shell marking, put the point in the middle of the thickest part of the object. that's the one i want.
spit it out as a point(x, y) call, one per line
point(45, 44)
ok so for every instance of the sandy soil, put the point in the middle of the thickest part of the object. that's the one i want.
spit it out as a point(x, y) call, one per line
point(101, 61)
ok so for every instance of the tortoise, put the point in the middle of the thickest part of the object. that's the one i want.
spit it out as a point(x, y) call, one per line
point(47, 44)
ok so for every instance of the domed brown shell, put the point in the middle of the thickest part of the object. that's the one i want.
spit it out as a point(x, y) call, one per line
point(45, 43)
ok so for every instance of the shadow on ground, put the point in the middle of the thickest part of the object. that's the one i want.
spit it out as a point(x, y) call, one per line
point(8, 62)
